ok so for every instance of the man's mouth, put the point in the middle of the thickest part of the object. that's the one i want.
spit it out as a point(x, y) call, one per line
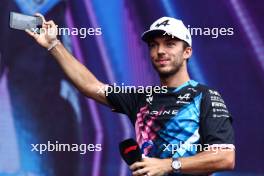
point(162, 61)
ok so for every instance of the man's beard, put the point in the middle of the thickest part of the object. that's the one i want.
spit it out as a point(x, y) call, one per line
point(176, 66)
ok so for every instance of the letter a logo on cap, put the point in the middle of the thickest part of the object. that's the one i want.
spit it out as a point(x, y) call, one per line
point(168, 25)
point(164, 23)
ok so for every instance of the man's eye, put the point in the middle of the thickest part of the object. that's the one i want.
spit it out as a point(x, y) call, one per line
point(170, 44)
point(151, 45)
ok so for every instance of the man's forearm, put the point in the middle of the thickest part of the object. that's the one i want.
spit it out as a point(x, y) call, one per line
point(203, 163)
point(208, 162)
point(78, 74)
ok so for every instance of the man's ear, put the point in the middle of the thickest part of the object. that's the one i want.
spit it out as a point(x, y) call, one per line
point(187, 53)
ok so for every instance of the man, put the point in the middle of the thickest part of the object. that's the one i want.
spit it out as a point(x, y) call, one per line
point(169, 126)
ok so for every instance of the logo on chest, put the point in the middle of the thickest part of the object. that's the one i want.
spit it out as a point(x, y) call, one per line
point(184, 99)
point(162, 112)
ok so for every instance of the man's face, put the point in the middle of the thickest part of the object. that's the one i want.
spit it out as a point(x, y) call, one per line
point(167, 54)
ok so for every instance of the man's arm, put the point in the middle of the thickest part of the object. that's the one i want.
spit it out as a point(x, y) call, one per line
point(78, 74)
point(205, 162)
point(208, 162)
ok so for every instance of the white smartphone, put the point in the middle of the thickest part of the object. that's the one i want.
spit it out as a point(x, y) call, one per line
point(21, 22)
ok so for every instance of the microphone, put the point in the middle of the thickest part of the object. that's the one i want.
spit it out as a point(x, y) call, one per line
point(130, 151)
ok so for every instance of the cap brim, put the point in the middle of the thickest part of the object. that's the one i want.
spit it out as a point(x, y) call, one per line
point(150, 34)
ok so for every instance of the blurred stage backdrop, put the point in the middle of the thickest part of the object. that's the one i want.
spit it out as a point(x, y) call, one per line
point(38, 104)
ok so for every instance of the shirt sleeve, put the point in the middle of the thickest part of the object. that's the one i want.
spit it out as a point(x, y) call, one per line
point(216, 121)
point(125, 103)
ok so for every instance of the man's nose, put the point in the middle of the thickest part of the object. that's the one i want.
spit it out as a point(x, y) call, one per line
point(161, 50)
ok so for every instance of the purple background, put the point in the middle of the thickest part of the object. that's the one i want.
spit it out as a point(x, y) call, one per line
point(38, 104)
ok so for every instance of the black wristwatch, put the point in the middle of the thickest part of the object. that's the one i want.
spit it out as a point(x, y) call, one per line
point(176, 165)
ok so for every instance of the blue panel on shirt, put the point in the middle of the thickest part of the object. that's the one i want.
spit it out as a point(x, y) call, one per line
point(182, 128)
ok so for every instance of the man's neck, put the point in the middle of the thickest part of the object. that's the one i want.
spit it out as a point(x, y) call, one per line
point(175, 80)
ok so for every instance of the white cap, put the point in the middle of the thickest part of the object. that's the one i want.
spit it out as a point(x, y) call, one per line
point(169, 26)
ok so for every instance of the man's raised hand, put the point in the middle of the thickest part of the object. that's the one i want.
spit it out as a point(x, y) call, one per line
point(48, 32)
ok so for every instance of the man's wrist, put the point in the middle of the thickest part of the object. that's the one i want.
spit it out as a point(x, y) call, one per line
point(53, 44)
point(167, 166)
point(176, 165)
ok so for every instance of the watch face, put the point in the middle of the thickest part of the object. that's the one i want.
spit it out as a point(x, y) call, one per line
point(176, 164)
